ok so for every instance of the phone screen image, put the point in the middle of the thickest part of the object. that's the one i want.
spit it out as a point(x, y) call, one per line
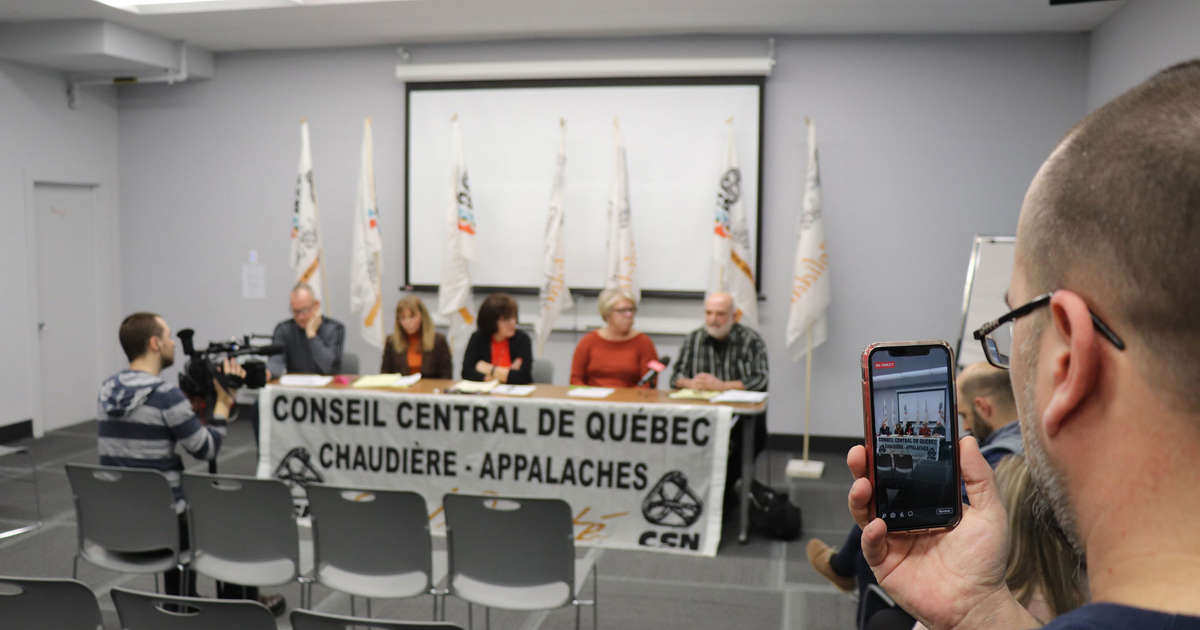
point(915, 437)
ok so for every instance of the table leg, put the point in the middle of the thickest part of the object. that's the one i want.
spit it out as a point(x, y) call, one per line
point(747, 425)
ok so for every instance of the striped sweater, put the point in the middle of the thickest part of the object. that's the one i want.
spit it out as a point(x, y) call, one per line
point(741, 356)
point(142, 418)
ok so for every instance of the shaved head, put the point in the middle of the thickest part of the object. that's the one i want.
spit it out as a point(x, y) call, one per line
point(1114, 215)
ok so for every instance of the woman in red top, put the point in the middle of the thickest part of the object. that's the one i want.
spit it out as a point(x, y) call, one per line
point(614, 355)
point(498, 350)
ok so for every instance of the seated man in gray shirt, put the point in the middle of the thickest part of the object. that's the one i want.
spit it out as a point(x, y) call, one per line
point(312, 343)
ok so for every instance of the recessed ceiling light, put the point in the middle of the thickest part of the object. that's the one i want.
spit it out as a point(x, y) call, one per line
point(149, 7)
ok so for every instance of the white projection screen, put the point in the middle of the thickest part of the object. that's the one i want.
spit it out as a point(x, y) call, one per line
point(675, 135)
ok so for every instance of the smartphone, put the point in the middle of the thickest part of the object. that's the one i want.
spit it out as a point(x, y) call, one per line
point(911, 426)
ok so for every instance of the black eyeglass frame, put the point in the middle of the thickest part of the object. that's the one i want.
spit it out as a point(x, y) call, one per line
point(983, 331)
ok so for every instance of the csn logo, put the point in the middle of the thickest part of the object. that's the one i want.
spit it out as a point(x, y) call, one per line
point(671, 503)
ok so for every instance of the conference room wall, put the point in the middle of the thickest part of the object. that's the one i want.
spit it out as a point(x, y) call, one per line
point(42, 139)
point(925, 141)
point(1120, 55)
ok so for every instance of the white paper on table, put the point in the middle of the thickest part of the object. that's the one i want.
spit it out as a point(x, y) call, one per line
point(591, 392)
point(406, 381)
point(305, 380)
point(739, 396)
point(514, 390)
point(474, 387)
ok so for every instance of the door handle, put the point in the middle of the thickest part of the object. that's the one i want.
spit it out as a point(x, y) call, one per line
point(41, 326)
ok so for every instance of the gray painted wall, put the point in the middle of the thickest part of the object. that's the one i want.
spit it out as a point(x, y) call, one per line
point(925, 142)
point(41, 139)
point(1140, 39)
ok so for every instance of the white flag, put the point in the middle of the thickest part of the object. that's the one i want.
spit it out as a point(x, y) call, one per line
point(306, 241)
point(454, 292)
point(621, 268)
point(731, 271)
point(810, 277)
point(554, 295)
point(366, 263)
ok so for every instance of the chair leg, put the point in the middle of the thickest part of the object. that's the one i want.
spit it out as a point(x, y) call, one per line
point(487, 618)
point(470, 616)
point(368, 608)
point(157, 590)
point(75, 567)
point(595, 599)
point(576, 616)
point(352, 606)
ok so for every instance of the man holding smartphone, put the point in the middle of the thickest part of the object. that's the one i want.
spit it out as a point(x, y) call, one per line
point(1101, 345)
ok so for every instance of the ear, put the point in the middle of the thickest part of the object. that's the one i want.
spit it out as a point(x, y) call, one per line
point(1073, 359)
point(737, 315)
point(982, 406)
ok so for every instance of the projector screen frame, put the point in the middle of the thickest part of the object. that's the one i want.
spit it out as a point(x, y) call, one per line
point(411, 86)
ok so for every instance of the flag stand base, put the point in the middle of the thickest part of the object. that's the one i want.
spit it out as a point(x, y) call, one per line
point(805, 469)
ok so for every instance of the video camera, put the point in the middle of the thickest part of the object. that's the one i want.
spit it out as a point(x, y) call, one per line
point(196, 378)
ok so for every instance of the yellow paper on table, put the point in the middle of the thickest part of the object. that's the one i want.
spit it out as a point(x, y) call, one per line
point(701, 394)
point(377, 380)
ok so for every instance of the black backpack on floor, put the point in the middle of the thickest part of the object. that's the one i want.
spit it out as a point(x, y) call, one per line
point(771, 513)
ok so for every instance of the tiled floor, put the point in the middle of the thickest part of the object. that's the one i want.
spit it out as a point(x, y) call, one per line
point(763, 584)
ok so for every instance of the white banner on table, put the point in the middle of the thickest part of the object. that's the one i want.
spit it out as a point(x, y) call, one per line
point(918, 447)
point(636, 476)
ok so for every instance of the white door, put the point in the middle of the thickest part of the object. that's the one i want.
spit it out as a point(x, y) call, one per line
point(66, 303)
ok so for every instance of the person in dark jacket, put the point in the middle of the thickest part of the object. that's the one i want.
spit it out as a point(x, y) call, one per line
point(497, 350)
point(414, 346)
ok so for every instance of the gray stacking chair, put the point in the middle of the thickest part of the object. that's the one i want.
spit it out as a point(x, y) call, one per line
point(309, 620)
point(514, 553)
point(48, 604)
point(125, 520)
point(371, 543)
point(542, 371)
point(36, 522)
point(243, 530)
point(149, 611)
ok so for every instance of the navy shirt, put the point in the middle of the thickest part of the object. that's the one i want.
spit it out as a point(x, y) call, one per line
point(1120, 617)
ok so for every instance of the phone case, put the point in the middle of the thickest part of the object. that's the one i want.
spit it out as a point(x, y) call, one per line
point(869, 426)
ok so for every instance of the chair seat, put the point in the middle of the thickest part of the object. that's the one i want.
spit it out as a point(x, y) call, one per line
point(409, 584)
point(535, 597)
point(271, 572)
point(155, 561)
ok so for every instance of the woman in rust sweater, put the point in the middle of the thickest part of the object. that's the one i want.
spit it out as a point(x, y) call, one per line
point(414, 346)
point(614, 355)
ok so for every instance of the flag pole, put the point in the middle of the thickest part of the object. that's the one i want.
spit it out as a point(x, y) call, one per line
point(807, 391)
point(806, 468)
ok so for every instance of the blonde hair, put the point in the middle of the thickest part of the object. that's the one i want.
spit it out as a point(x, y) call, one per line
point(399, 338)
point(1040, 558)
point(608, 299)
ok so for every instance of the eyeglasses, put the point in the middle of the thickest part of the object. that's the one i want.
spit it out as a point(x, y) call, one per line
point(996, 335)
point(625, 311)
point(301, 311)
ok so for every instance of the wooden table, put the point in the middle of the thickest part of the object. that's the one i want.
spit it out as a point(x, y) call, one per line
point(746, 413)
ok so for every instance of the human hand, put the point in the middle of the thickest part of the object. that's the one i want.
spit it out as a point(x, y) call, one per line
point(225, 397)
point(704, 380)
point(516, 365)
point(483, 367)
point(314, 322)
point(950, 578)
point(501, 374)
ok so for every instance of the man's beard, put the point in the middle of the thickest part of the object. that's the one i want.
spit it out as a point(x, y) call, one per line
point(1050, 501)
point(720, 332)
point(980, 429)
point(168, 360)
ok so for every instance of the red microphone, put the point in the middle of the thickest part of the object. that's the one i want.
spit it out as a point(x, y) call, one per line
point(655, 368)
